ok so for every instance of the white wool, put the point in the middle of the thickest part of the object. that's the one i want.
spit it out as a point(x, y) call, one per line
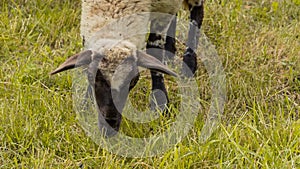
point(97, 14)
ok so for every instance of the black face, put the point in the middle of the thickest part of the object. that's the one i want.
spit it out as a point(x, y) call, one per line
point(111, 94)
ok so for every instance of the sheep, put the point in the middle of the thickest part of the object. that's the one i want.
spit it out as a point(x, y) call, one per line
point(113, 60)
point(96, 13)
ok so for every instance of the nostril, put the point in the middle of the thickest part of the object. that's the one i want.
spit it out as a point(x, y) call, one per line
point(111, 122)
point(114, 123)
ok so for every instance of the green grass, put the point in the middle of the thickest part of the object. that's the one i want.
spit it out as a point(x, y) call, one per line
point(258, 42)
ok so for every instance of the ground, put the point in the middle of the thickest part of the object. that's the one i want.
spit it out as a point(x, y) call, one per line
point(257, 41)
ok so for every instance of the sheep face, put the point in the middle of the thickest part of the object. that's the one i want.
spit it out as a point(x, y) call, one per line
point(111, 92)
point(111, 79)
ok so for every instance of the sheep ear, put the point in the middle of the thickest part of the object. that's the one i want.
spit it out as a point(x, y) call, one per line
point(77, 60)
point(150, 62)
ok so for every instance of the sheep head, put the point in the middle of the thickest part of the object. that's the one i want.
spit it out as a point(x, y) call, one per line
point(111, 74)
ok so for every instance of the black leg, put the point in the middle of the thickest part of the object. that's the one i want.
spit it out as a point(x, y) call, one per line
point(170, 39)
point(189, 57)
point(159, 97)
point(155, 47)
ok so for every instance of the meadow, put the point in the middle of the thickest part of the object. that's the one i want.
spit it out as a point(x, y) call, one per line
point(258, 43)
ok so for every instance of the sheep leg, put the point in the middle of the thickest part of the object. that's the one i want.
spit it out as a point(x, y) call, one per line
point(189, 57)
point(170, 48)
point(159, 95)
point(155, 45)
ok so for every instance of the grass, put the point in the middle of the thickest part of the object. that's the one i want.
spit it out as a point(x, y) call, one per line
point(258, 42)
